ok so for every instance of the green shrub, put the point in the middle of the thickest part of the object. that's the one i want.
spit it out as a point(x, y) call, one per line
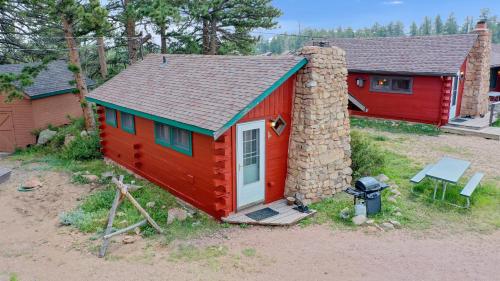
point(367, 157)
point(83, 148)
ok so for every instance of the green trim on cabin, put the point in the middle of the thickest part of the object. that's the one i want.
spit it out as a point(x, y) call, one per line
point(154, 117)
point(112, 123)
point(170, 142)
point(127, 129)
point(55, 93)
point(260, 98)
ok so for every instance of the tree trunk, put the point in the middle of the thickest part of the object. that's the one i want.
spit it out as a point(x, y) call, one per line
point(213, 38)
point(79, 78)
point(102, 57)
point(206, 37)
point(131, 35)
point(163, 39)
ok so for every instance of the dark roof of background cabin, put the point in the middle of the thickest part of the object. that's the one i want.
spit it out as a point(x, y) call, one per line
point(495, 55)
point(54, 78)
point(419, 55)
point(202, 91)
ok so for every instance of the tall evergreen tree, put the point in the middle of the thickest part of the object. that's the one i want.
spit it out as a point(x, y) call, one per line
point(438, 25)
point(426, 27)
point(162, 15)
point(451, 26)
point(414, 29)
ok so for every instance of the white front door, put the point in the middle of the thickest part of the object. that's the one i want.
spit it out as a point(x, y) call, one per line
point(454, 97)
point(250, 163)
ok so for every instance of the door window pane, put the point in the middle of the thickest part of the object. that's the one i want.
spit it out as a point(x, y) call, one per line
point(454, 93)
point(251, 156)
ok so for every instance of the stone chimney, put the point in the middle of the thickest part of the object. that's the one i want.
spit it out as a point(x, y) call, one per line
point(319, 156)
point(477, 76)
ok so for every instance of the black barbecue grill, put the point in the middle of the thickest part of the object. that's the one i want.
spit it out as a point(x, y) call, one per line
point(368, 189)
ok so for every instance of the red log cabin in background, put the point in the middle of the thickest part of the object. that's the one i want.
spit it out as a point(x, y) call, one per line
point(212, 130)
point(419, 79)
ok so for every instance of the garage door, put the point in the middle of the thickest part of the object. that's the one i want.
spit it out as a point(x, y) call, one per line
point(7, 139)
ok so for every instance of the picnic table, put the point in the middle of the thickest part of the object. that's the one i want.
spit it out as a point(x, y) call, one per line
point(449, 170)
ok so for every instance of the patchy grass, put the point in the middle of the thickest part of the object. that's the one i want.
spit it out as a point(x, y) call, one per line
point(249, 252)
point(92, 214)
point(395, 126)
point(419, 210)
point(190, 253)
point(496, 123)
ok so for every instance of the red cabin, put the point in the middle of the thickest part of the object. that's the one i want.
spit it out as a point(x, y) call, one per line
point(212, 130)
point(495, 68)
point(420, 79)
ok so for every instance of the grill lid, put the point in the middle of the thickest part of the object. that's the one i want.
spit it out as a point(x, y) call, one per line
point(369, 184)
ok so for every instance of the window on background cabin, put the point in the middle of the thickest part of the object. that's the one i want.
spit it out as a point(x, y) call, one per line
point(127, 122)
point(386, 84)
point(178, 139)
point(110, 115)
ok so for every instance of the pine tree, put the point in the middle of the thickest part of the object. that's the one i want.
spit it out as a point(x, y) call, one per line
point(414, 29)
point(451, 26)
point(438, 25)
point(162, 14)
point(230, 22)
point(426, 27)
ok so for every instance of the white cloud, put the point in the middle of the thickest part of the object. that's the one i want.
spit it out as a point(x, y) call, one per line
point(395, 2)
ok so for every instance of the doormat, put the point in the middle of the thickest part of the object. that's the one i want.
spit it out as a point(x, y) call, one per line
point(459, 120)
point(262, 214)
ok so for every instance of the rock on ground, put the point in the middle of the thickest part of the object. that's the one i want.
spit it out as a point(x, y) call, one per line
point(359, 220)
point(176, 214)
point(387, 226)
point(45, 136)
point(91, 178)
point(382, 178)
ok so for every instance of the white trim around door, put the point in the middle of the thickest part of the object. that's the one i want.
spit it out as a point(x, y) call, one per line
point(454, 97)
point(250, 163)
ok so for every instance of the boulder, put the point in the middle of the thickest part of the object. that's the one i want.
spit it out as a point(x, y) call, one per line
point(176, 214)
point(91, 178)
point(359, 220)
point(68, 139)
point(382, 178)
point(387, 226)
point(396, 224)
point(45, 136)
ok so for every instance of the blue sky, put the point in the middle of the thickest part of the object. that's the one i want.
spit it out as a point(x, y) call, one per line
point(362, 13)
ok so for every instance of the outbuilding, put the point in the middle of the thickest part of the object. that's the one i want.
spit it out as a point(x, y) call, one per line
point(48, 101)
point(217, 131)
point(425, 79)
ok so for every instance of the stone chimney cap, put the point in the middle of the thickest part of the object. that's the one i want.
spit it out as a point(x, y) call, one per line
point(481, 24)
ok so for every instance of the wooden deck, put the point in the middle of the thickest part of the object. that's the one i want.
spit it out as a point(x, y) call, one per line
point(287, 215)
point(474, 127)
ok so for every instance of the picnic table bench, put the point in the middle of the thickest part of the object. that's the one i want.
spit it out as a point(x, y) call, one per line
point(449, 170)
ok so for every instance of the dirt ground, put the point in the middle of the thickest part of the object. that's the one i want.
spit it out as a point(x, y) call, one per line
point(34, 247)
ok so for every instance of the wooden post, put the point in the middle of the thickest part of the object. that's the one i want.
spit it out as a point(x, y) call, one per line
point(116, 202)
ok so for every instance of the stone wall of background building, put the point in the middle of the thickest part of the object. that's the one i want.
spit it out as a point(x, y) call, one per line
point(477, 76)
point(319, 157)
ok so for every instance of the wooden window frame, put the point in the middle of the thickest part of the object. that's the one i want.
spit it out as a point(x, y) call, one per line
point(391, 78)
point(108, 122)
point(170, 143)
point(127, 129)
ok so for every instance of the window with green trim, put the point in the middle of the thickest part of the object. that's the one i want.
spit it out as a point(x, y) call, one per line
point(175, 138)
point(127, 122)
point(110, 115)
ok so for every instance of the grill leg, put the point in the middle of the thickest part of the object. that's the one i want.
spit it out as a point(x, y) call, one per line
point(444, 190)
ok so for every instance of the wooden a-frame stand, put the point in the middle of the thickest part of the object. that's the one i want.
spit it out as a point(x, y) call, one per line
point(122, 192)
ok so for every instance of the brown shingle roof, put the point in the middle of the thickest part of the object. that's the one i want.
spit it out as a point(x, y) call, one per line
point(202, 91)
point(495, 55)
point(420, 55)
